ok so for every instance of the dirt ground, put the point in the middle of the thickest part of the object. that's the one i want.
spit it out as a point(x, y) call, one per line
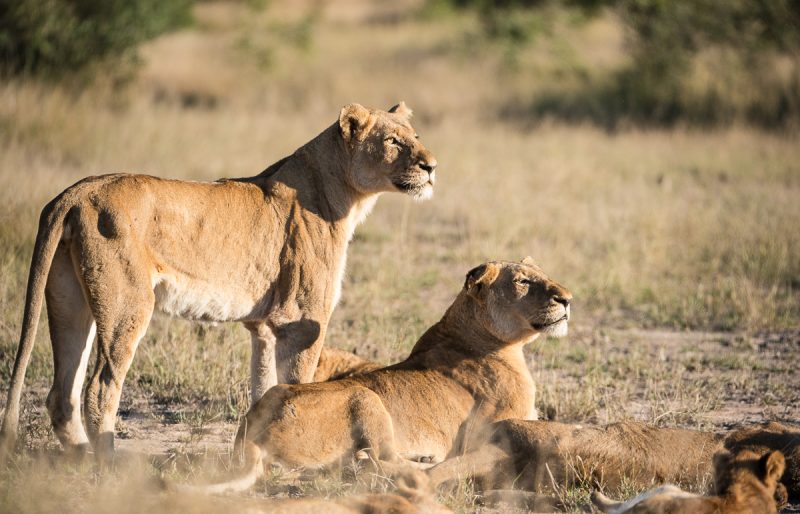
point(705, 380)
point(748, 379)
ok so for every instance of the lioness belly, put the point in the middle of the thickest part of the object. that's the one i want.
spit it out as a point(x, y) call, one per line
point(199, 300)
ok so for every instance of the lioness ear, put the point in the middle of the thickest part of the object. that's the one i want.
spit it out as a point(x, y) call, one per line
point(773, 464)
point(480, 276)
point(355, 121)
point(402, 109)
point(528, 261)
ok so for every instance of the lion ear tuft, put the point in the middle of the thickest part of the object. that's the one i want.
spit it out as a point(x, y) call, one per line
point(354, 122)
point(401, 109)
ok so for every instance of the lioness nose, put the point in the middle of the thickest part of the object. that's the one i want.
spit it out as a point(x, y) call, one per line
point(563, 300)
point(429, 165)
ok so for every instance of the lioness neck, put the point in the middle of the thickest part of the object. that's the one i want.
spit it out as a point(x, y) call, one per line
point(321, 181)
point(460, 330)
point(314, 186)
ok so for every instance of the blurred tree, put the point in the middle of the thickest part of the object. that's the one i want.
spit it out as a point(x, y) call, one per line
point(666, 35)
point(664, 38)
point(50, 37)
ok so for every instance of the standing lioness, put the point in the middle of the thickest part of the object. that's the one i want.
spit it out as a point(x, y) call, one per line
point(465, 371)
point(268, 251)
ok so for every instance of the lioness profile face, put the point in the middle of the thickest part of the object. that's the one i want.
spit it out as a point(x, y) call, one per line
point(520, 301)
point(386, 152)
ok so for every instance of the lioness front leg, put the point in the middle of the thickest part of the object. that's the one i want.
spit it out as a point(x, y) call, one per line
point(297, 348)
point(263, 371)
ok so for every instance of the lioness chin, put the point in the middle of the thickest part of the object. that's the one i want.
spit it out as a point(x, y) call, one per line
point(268, 251)
point(465, 371)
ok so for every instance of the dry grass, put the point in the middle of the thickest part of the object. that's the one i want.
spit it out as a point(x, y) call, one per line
point(662, 229)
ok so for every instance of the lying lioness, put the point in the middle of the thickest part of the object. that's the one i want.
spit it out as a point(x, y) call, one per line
point(465, 371)
point(335, 364)
point(746, 484)
point(531, 455)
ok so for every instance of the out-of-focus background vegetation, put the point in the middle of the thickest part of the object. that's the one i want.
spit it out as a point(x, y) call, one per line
point(645, 152)
point(703, 62)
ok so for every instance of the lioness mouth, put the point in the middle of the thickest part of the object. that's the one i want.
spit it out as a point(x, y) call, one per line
point(540, 326)
point(404, 186)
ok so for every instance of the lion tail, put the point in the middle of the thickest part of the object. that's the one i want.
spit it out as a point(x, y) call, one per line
point(251, 471)
point(51, 228)
point(603, 502)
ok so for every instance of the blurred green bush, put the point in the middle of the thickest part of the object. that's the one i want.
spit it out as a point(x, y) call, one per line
point(664, 40)
point(51, 37)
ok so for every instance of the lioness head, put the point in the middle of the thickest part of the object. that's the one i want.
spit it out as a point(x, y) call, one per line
point(385, 151)
point(768, 469)
point(520, 301)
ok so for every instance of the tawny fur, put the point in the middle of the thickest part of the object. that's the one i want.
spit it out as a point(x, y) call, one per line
point(746, 484)
point(531, 455)
point(335, 364)
point(267, 250)
point(465, 371)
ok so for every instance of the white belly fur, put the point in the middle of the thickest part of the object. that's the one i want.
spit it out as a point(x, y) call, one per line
point(192, 299)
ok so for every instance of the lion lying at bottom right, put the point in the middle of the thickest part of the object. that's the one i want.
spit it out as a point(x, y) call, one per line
point(539, 456)
point(745, 484)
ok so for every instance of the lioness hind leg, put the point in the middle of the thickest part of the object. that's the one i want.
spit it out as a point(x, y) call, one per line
point(372, 429)
point(72, 331)
point(122, 318)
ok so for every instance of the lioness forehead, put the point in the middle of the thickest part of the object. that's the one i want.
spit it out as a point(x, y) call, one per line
point(402, 126)
point(393, 120)
point(523, 269)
